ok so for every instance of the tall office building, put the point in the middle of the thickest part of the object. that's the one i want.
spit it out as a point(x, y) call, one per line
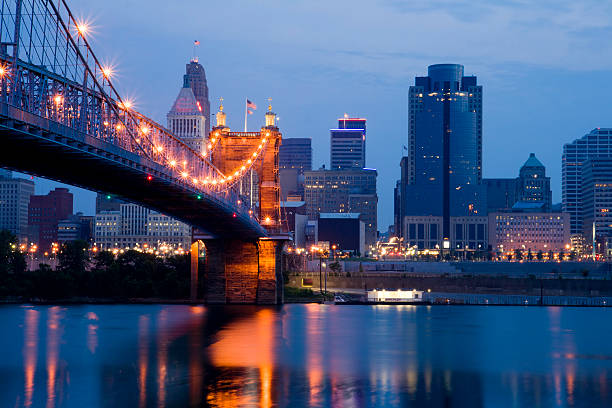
point(442, 173)
point(596, 144)
point(295, 153)
point(44, 214)
point(15, 196)
point(501, 193)
point(596, 198)
point(186, 119)
point(532, 184)
point(348, 144)
point(344, 191)
point(294, 158)
point(197, 81)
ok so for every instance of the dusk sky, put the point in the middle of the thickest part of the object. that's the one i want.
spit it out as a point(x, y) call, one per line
point(544, 65)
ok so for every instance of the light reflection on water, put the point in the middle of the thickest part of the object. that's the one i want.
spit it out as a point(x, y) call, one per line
point(304, 355)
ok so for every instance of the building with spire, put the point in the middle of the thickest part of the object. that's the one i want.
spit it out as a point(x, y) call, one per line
point(532, 184)
point(187, 120)
point(196, 77)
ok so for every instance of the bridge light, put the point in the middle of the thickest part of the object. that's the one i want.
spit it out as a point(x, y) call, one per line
point(213, 140)
point(254, 154)
point(58, 99)
point(267, 133)
point(107, 72)
point(214, 182)
point(119, 127)
point(230, 177)
point(173, 163)
point(267, 220)
point(144, 130)
point(209, 146)
point(82, 28)
point(184, 162)
point(249, 161)
point(195, 181)
point(184, 174)
point(236, 173)
point(159, 148)
point(149, 177)
point(105, 123)
point(234, 215)
point(239, 202)
point(108, 197)
point(3, 71)
point(199, 197)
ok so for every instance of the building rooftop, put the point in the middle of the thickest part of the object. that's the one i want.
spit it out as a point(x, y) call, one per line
point(339, 215)
point(186, 104)
point(532, 161)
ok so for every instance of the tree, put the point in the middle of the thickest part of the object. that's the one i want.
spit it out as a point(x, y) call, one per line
point(551, 255)
point(73, 257)
point(335, 267)
point(518, 254)
point(540, 255)
point(572, 255)
point(11, 259)
point(561, 255)
point(529, 255)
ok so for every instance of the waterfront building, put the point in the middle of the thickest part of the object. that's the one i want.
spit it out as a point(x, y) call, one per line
point(75, 227)
point(529, 231)
point(348, 144)
point(15, 196)
point(133, 226)
point(532, 184)
point(596, 199)
point(196, 76)
point(595, 144)
point(44, 214)
point(442, 172)
point(468, 234)
point(344, 230)
point(186, 119)
point(343, 191)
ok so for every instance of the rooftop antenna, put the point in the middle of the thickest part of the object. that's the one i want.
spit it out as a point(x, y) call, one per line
point(195, 57)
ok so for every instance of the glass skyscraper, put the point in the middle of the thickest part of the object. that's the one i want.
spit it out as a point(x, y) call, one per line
point(596, 144)
point(442, 173)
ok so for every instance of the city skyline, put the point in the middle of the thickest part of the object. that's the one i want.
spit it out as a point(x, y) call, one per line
point(534, 95)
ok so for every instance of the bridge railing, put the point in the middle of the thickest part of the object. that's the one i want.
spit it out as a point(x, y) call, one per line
point(48, 69)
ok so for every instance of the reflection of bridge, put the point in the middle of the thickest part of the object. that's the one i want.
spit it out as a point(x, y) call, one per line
point(62, 118)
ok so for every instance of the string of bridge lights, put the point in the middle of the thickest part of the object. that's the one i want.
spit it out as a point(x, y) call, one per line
point(220, 183)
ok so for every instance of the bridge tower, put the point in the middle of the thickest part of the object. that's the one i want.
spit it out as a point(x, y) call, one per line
point(239, 270)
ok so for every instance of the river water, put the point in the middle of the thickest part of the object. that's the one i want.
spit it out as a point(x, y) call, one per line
point(305, 356)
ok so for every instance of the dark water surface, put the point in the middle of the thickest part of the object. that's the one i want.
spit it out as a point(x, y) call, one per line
point(305, 355)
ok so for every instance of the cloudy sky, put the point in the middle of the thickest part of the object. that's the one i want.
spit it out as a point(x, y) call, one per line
point(545, 66)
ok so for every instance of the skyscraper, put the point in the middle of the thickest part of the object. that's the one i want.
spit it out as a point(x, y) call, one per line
point(197, 81)
point(186, 118)
point(348, 144)
point(295, 153)
point(14, 201)
point(443, 170)
point(596, 144)
point(596, 198)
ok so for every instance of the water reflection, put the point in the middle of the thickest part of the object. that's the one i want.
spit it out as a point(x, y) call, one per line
point(305, 355)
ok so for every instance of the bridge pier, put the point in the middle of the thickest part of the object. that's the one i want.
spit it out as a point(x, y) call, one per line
point(248, 272)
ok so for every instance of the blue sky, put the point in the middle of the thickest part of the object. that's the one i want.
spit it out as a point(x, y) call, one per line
point(545, 67)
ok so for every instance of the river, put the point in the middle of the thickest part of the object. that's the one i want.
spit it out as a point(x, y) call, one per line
point(305, 356)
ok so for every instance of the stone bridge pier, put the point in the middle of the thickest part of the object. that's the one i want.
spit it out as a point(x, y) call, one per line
point(248, 272)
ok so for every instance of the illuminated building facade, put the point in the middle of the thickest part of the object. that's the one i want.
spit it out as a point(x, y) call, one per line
point(596, 144)
point(133, 226)
point(442, 172)
point(186, 119)
point(15, 196)
point(466, 233)
point(348, 144)
point(529, 231)
point(343, 191)
point(294, 158)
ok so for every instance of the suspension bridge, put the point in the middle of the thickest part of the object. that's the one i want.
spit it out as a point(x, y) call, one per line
point(62, 118)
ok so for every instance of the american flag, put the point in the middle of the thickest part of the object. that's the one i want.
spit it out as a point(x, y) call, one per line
point(251, 105)
point(196, 42)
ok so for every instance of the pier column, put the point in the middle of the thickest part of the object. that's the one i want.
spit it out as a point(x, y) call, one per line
point(244, 272)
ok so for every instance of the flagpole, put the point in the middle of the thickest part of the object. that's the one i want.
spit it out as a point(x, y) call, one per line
point(246, 111)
